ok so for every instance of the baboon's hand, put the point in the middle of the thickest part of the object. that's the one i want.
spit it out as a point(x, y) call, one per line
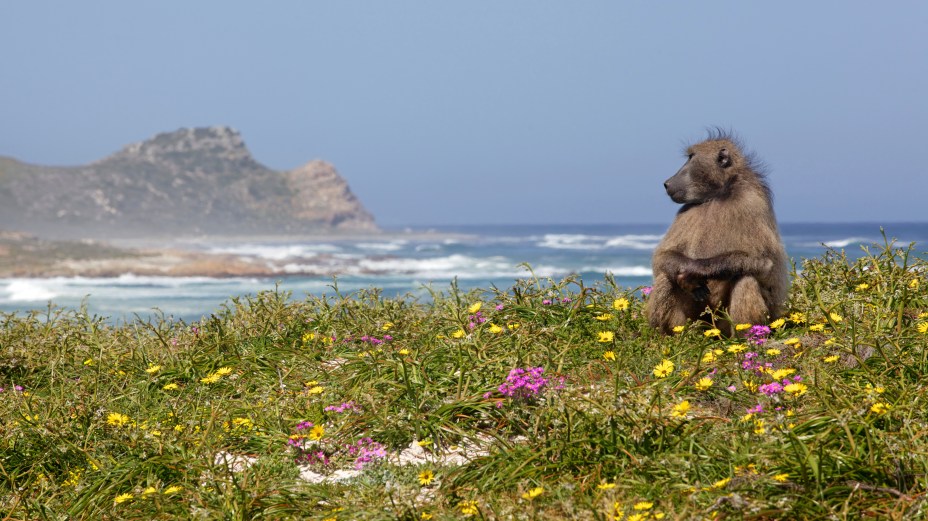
point(694, 284)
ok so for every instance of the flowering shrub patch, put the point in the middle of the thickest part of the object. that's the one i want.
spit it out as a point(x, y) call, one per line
point(549, 400)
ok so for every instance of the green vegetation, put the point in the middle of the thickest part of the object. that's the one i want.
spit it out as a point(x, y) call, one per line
point(549, 400)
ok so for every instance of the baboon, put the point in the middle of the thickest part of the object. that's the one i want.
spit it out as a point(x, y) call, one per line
point(723, 251)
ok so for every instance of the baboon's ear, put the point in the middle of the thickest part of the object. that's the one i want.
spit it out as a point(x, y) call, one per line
point(724, 158)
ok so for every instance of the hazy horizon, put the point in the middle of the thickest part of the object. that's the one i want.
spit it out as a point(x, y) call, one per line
point(520, 112)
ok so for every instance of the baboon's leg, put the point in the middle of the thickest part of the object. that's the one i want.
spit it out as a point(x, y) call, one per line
point(747, 302)
point(668, 306)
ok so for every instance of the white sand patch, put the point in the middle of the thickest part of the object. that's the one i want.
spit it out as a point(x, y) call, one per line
point(234, 462)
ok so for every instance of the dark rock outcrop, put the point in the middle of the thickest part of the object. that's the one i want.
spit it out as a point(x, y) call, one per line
point(182, 183)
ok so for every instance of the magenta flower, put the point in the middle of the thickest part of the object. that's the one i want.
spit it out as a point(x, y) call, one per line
point(344, 406)
point(366, 451)
point(770, 389)
point(757, 335)
point(526, 383)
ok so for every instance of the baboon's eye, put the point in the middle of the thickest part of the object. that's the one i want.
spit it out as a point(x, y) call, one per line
point(690, 155)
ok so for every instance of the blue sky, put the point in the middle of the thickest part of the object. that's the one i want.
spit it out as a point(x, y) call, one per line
point(493, 112)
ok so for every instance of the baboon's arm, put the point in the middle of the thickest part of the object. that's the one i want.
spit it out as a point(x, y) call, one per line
point(729, 265)
point(724, 266)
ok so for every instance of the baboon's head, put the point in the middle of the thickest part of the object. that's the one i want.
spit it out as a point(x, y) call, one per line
point(710, 169)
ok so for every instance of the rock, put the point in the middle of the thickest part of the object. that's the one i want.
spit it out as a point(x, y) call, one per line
point(189, 182)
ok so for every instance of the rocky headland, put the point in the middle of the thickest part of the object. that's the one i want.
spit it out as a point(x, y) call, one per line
point(137, 211)
point(190, 182)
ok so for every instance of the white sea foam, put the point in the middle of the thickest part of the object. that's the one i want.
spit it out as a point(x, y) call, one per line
point(636, 242)
point(621, 271)
point(381, 246)
point(448, 267)
point(277, 252)
point(26, 290)
point(844, 243)
point(560, 241)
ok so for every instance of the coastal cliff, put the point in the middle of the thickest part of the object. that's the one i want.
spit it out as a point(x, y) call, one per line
point(200, 181)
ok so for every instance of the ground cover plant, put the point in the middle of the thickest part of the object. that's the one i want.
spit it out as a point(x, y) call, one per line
point(547, 400)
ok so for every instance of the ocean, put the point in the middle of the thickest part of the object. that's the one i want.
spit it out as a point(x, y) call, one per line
point(408, 261)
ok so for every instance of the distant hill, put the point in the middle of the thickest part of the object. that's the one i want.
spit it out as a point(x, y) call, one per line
point(188, 182)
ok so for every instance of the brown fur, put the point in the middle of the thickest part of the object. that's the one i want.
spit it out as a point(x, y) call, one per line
point(723, 250)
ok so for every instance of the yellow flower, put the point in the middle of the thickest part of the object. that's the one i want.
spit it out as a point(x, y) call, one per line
point(617, 509)
point(424, 443)
point(643, 505)
point(759, 427)
point(704, 384)
point(149, 490)
point(605, 486)
point(89, 361)
point(720, 483)
point(777, 323)
point(678, 329)
point(495, 329)
point(780, 374)
point(307, 337)
point(533, 493)
point(708, 357)
point(831, 359)
point(223, 371)
point(604, 317)
point(513, 325)
point(468, 508)
point(749, 385)
point(880, 408)
point(316, 390)
point(913, 284)
point(835, 317)
point(773, 352)
point(606, 336)
point(122, 498)
point(458, 334)
point(680, 409)
point(794, 341)
point(609, 355)
point(862, 287)
point(243, 423)
point(781, 478)
point(171, 387)
point(316, 432)
point(742, 327)
point(426, 477)
point(119, 420)
point(403, 351)
point(817, 327)
point(663, 369)
point(830, 341)
point(713, 332)
point(620, 304)
point(387, 326)
point(796, 389)
point(923, 327)
point(171, 490)
point(475, 307)
point(210, 379)
point(737, 348)
point(797, 318)
point(425, 516)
